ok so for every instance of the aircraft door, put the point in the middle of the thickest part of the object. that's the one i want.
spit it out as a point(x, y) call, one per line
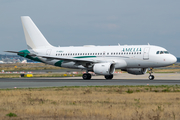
point(48, 52)
point(146, 53)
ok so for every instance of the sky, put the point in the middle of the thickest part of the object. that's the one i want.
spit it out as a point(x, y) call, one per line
point(93, 22)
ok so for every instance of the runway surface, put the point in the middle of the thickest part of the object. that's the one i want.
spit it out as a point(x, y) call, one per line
point(121, 79)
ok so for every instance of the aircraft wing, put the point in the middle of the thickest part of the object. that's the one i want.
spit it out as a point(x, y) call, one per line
point(70, 59)
point(79, 60)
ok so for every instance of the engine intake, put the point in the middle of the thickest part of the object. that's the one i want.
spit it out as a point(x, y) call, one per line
point(104, 68)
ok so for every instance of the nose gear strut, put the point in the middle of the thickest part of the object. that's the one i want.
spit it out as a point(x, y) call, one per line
point(151, 77)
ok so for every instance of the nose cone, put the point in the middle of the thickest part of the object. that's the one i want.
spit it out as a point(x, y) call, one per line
point(173, 59)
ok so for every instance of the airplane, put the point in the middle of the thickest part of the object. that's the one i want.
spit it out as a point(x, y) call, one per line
point(102, 60)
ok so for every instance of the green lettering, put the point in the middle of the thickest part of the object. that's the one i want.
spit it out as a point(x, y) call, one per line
point(129, 49)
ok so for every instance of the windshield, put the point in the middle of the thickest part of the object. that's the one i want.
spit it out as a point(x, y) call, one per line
point(162, 52)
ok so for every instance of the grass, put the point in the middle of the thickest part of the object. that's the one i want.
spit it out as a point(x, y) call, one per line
point(40, 75)
point(166, 70)
point(27, 66)
point(42, 66)
point(11, 115)
point(92, 102)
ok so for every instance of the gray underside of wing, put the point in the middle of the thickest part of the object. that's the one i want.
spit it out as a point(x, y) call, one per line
point(89, 60)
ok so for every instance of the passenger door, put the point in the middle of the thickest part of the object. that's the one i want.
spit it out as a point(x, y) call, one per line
point(146, 53)
point(48, 52)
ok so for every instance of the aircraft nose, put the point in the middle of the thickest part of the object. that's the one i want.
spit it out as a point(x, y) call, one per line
point(173, 59)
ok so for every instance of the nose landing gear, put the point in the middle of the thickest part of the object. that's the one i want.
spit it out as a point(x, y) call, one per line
point(151, 77)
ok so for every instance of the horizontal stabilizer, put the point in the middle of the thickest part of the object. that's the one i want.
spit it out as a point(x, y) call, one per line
point(30, 54)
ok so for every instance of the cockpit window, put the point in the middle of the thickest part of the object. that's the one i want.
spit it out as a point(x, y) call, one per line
point(166, 52)
point(162, 52)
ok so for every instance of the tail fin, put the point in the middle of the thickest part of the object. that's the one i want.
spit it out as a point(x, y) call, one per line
point(34, 38)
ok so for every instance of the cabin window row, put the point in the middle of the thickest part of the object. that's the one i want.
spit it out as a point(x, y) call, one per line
point(117, 53)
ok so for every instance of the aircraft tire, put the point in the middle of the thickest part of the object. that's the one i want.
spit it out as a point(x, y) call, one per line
point(86, 76)
point(151, 77)
point(108, 77)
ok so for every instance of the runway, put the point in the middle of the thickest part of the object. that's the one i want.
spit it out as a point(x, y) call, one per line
point(120, 79)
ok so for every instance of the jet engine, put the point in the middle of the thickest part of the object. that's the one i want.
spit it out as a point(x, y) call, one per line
point(136, 71)
point(104, 68)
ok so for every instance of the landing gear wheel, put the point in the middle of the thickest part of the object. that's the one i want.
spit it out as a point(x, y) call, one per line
point(108, 77)
point(151, 77)
point(86, 76)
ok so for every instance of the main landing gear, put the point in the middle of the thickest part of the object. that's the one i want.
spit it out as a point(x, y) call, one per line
point(151, 77)
point(108, 77)
point(86, 76)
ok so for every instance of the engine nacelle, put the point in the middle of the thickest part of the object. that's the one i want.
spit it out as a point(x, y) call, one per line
point(136, 71)
point(104, 68)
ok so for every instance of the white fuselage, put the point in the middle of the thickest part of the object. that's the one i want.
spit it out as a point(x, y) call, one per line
point(135, 56)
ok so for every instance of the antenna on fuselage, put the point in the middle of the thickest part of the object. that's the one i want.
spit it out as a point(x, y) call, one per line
point(119, 44)
point(148, 44)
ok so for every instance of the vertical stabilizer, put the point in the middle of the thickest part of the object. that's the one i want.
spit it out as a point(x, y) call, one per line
point(34, 38)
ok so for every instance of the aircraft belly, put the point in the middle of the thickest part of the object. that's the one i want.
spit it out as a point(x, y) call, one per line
point(71, 65)
point(137, 63)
